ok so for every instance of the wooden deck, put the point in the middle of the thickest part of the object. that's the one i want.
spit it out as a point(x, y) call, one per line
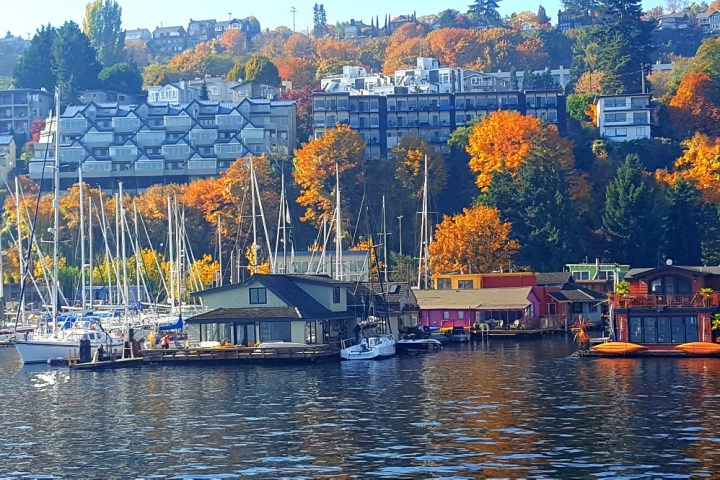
point(642, 354)
point(514, 333)
point(309, 353)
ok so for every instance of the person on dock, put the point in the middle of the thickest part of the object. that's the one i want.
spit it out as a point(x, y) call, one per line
point(99, 354)
point(165, 342)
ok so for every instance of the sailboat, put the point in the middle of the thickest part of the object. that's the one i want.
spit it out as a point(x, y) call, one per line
point(62, 337)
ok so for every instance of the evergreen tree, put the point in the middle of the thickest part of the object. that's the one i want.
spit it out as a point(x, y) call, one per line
point(579, 8)
point(319, 20)
point(33, 69)
point(122, 77)
point(103, 26)
point(204, 92)
point(626, 45)
point(74, 62)
point(528, 79)
point(513, 79)
point(261, 70)
point(683, 223)
point(485, 12)
point(631, 219)
point(542, 18)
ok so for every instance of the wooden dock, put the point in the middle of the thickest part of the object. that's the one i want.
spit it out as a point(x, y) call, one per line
point(519, 333)
point(241, 354)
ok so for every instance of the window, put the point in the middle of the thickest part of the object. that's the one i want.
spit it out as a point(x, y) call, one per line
point(443, 284)
point(336, 294)
point(615, 117)
point(577, 307)
point(275, 331)
point(465, 284)
point(552, 309)
point(663, 329)
point(670, 285)
point(446, 315)
point(461, 315)
point(258, 296)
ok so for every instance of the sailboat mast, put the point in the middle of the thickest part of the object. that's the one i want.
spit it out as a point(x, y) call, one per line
point(82, 238)
point(220, 261)
point(338, 227)
point(56, 213)
point(137, 253)
point(21, 259)
point(424, 232)
point(254, 227)
point(126, 293)
point(171, 294)
point(384, 234)
point(90, 250)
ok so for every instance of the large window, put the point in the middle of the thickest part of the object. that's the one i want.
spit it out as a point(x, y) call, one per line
point(275, 332)
point(336, 294)
point(670, 284)
point(258, 296)
point(663, 329)
point(465, 284)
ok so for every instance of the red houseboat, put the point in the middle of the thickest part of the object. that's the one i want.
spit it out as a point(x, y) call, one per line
point(667, 307)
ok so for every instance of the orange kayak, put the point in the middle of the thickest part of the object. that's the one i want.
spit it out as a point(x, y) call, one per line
point(618, 348)
point(699, 348)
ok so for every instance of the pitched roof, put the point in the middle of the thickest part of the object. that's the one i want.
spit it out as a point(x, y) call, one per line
point(640, 272)
point(553, 278)
point(577, 294)
point(225, 314)
point(6, 139)
point(479, 299)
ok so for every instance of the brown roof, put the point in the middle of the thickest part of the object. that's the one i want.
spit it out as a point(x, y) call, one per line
point(478, 299)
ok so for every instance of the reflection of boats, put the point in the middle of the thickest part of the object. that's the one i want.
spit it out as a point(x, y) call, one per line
point(372, 345)
point(618, 348)
point(699, 348)
point(7, 337)
point(417, 345)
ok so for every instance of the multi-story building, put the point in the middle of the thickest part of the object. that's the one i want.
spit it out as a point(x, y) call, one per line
point(623, 117)
point(429, 76)
point(673, 21)
point(709, 21)
point(476, 81)
point(104, 96)
point(138, 35)
point(180, 92)
point(20, 107)
point(569, 21)
point(168, 40)
point(8, 156)
point(356, 80)
point(383, 120)
point(200, 31)
point(161, 142)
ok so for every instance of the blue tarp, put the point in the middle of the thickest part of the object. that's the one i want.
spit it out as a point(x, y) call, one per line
point(175, 326)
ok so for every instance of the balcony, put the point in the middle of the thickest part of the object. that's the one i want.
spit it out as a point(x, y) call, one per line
point(687, 300)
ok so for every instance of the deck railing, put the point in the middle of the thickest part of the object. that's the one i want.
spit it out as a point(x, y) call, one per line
point(687, 300)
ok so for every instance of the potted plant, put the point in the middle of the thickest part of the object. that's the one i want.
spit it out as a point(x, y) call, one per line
point(706, 293)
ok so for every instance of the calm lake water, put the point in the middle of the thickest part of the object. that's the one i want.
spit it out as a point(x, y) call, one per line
point(498, 409)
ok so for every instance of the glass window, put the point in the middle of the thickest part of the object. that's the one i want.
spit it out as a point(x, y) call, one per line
point(649, 330)
point(465, 284)
point(577, 307)
point(443, 284)
point(258, 296)
point(691, 329)
point(461, 315)
point(663, 330)
point(275, 332)
point(636, 330)
point(336, 294)
point(446, 315)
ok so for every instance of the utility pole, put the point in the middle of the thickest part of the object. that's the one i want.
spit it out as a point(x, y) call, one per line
point(293, 10)
point(400, 224)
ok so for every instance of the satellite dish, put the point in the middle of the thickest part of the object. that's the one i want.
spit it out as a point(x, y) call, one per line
point(668, 262)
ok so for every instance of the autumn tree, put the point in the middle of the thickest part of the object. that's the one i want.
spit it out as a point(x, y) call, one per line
point(260, 69)
point(103, 26)
point(234, 41)
point(315, 163)
point(455, 47)
point(699, 165)
point(406, 44)
point(503, 140)
point(590, 82)
point(695, 107)
point(410, 154)
point(474, 241)
point(303, 110)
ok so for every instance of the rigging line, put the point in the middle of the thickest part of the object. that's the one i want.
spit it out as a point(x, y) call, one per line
point(357, 222)
point(23, 275)
point(155, 258)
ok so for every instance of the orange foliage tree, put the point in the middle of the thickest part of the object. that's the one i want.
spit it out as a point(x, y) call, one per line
point(699, 165)
point(474, 241)
point(455, 47)
point(406, 44)
point(590, 82)
point(234, 41)
point(695, 106)
point(409, 154)
point(315, 169)
point(503, 140)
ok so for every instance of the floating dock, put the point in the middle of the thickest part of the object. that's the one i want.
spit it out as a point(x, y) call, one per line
point(241, 354)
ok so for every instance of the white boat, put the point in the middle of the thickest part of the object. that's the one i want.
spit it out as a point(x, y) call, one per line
point(7, 336)
point(373, 347)
point(63, 343)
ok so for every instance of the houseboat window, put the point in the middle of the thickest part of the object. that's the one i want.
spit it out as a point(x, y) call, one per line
point(446, 315)
point(443, 284)
point(336, 294)
point(465, 285)
point(311, 332)
point(552, 309)
point(258, 296)
point(670, 284)
point(461, 315)
point(275, 332)
point(577, 307)
point(663, 329)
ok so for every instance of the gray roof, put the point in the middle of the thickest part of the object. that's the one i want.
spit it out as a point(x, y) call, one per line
point(220, 315)
point(577, 294)
point(6, 139)
point(705, 271)
point(553, 278)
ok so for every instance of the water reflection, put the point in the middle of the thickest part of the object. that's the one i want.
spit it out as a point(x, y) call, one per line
point(497, 409)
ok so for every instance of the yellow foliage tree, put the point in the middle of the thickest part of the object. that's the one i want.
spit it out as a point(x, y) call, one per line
point(474, 241)
point(503, 140)
point(699, 165)
point(46, 262)
point(590, 82)
point(201, 273)
point(374, 265)
point(315, 169)
point(261, 268)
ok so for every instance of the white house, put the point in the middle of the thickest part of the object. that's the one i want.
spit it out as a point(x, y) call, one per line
point(623, 117)
point(181, 92)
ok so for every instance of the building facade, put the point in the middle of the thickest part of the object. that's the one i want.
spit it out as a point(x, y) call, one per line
point(20, 107)
point(168, 41)
point(8, 156)
point(382, 121)
point(161, 142)
point(623, 117)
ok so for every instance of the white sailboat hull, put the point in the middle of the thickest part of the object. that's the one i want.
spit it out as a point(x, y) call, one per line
point(43, 349)
point(370, 348)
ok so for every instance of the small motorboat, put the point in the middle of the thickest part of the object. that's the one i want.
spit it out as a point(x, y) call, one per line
point(417, 345)
point(372, 347)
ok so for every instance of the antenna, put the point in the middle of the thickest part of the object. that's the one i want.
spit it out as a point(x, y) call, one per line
point(293, 10)
point(229, 15)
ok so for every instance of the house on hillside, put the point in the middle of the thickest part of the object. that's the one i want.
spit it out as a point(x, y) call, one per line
point(623, 117)
point(667, 305)
point(274, 308)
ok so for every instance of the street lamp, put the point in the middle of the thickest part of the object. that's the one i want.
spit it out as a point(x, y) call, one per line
point(400, 232)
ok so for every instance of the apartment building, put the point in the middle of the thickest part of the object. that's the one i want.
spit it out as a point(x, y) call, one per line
point(168, 40)
point(8, 156)
point(20, 107)
point(200, 31)
point(429, 76)
point(382, 120)
point(623, 117)
point(161, 142)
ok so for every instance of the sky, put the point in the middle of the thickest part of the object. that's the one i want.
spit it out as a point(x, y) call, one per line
point(25, 17)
